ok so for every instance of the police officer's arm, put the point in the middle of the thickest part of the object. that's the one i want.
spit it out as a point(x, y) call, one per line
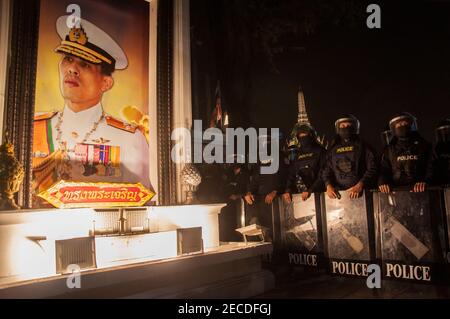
point(430, 162)
point(385, 176)
point(425, 176)
point(242, 183)
point(438, 178)
point(327, 172)
point(277, 184)
point(290, 180)
point(328, 176)
point(370, 174)
point(253, 182)
point(252, 185)
point(318, 182)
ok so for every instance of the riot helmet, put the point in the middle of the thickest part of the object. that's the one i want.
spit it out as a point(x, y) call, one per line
point(443, 131)
point(349, 130)
point(386, 136)
point(403, 124)
point(306, 135)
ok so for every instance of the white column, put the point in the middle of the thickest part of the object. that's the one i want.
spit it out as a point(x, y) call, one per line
point(153, 88)
point(5, 6)
point(182, 101)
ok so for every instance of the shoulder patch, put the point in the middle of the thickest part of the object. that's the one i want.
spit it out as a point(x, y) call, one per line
point(111, 121)
point(44, 116)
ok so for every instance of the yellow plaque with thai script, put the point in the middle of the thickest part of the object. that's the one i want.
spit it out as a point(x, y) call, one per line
point(66, 194)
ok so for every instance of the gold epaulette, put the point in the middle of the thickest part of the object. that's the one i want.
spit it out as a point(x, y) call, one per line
point(111, 121)
point(44, 116)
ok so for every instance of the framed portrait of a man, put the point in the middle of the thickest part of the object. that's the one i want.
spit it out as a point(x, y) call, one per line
point(91, 113)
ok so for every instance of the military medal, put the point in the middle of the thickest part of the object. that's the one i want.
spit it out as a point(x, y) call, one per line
point(101, 140)
point(104, 158)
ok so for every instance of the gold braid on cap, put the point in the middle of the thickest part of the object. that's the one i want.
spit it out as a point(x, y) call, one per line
point(79, 53)
point(76, 43)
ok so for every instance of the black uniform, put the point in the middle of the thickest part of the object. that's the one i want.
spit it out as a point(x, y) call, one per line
point(234, 184)
point(406, 162)
point(210, 189)
point(260, 186)
point(349, 162)
point(442, 151)
point(263, 184)
point(304, 172)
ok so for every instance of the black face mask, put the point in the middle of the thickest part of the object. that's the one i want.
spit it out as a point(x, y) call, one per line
point(443, 135)
point(402, 131)
point(346, 133)
point(305, 141)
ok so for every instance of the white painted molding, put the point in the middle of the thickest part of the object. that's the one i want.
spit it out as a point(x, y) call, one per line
point(153, 100)
point(182, 101)
point(5, 16)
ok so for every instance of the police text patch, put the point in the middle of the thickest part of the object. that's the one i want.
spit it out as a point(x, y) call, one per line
point(407, 158)
point(344, 149)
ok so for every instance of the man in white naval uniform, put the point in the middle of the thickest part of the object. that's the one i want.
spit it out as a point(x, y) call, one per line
point(82, 132)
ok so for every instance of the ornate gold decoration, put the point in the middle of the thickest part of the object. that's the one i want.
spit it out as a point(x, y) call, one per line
point(11, 176)
point(78, 35)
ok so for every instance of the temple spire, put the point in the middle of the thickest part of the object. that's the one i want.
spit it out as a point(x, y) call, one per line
point(302, 117)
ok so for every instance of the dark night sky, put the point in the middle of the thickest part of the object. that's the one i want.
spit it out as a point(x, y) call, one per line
point(373, 74)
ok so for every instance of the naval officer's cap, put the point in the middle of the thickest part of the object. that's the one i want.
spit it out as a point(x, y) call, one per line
point(90, 43)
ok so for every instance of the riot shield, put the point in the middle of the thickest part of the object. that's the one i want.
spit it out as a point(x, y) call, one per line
point(349, 234)
point(409, 234)
point(262, 214)
point(300, 231)
point(447, 228)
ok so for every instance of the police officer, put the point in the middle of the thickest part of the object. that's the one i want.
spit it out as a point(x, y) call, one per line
point(235, 181)
point(304, 172)
point(93, 146)
point(350, 164)
point(408, 159)
point(236, 178)
point(442, 151)
point(262, 190)
point(210, 189)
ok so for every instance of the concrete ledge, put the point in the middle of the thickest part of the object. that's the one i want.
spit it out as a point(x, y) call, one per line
point(234, 267)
